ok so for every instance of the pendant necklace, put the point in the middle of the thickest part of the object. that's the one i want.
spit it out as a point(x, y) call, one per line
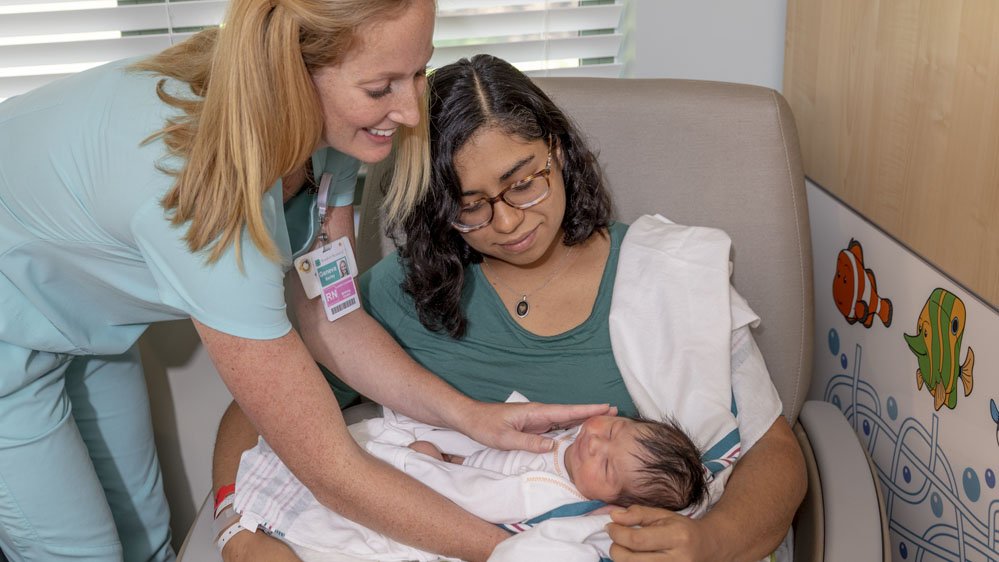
point(523, 307)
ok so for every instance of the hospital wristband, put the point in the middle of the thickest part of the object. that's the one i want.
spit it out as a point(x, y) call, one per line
point(228, 534)
point(225, 526)
point(224, 493)
point(226, 502)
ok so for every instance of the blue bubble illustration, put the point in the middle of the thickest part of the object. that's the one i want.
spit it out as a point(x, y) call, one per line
point(972, 487)
point(833, 341)
point(936, 504)
point(912, 457)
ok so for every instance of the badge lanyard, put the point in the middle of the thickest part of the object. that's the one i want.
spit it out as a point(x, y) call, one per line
point(329, 270)
point(324, 190)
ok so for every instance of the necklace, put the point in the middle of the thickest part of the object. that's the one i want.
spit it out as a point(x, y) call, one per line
point(523, 307)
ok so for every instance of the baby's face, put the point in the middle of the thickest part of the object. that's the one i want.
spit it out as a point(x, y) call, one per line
point(602, 462)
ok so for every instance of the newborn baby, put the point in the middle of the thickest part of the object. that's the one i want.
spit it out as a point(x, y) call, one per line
point(620, 461)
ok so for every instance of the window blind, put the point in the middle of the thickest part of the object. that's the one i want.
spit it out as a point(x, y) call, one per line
point(41, 40)
point(577, 38)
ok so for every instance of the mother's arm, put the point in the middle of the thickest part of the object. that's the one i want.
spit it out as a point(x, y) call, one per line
point(766, 486)
point(748, 522)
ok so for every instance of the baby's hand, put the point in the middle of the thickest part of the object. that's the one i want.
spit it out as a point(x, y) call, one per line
point(429, 449)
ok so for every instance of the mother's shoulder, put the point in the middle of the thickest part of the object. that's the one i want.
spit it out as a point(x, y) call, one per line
point(617, 230)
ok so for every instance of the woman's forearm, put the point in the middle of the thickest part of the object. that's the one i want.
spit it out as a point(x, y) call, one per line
point(284, 396)
point(359, 350)
point(761, 497)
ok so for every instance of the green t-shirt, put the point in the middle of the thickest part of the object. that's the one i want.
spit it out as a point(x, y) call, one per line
point(496, 356)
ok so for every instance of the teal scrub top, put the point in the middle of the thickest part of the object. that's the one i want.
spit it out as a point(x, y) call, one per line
point(88, 257)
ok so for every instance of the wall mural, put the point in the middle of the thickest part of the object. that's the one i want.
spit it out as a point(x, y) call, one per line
point(855, 290)
point(936, 465)
point(937, 345)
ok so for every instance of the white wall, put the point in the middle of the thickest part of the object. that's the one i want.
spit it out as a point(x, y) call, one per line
point(187, 399)
point(706, 40)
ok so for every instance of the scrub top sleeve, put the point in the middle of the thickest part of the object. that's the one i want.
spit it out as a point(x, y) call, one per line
point(344, 169)
point(248, 303)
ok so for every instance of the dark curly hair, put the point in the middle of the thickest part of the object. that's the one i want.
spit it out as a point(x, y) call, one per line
point(671, 475)
point(464, 96)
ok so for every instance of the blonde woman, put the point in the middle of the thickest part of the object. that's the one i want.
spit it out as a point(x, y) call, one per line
point(183, 186)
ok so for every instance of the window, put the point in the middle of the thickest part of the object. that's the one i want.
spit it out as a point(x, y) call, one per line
point(578, 38)
point(41, 40)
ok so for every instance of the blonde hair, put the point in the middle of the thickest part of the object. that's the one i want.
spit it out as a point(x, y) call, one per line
point(410, 170)
point(257, 116)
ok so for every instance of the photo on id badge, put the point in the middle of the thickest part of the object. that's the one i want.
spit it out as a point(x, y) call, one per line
point(334, 267)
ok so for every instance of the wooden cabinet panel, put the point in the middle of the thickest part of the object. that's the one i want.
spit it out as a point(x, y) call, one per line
point(897, 106)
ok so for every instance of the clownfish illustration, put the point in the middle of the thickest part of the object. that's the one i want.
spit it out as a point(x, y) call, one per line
point(995, 416)
point(937, 346)
point(855, 290)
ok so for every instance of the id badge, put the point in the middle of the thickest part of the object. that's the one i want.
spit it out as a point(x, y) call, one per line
point(329, 271)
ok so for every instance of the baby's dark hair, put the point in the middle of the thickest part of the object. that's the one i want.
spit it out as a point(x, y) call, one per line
point(671, 476)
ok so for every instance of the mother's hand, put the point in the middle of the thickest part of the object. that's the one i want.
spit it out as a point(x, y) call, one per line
point(514, 426)
point(660, 535)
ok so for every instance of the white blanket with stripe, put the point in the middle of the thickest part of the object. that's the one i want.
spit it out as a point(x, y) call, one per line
point(269, 496)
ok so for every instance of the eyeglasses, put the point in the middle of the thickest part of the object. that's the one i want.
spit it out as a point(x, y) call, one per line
point(523, 194)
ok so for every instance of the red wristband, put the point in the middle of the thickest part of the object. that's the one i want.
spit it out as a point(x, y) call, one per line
point(223, 492)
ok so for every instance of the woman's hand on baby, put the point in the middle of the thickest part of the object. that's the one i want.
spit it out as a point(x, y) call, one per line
point(649, 534)
point(515, 426)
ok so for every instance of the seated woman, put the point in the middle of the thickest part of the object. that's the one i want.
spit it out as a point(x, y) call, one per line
point(504, 282)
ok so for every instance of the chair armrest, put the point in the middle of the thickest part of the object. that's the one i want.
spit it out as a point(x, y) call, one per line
point(853, 522)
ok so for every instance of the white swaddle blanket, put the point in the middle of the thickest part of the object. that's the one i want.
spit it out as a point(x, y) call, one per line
point(672, 316)
point(270, 497)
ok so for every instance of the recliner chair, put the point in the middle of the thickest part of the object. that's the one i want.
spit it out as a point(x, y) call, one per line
point(722, 155)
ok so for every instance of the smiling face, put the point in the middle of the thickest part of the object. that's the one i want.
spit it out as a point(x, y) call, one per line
point(378, 85)
point(603, 460)
point(489, 162)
